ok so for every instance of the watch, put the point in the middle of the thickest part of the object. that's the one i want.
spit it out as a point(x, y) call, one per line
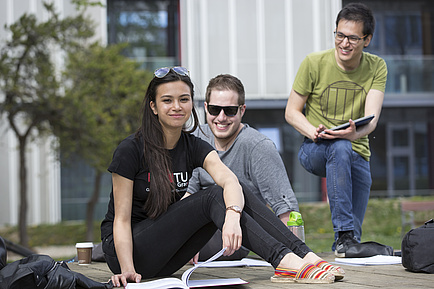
point(235, 208)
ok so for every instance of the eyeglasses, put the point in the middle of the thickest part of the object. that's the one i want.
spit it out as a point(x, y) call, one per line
point(228, 110)
point(353, 39)
point(162, 72)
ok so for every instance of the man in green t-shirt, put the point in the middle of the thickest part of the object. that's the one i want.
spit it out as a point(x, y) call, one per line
point(337, 86)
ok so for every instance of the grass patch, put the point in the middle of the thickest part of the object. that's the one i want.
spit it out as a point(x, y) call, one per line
point(382, 224)
point(64, 233)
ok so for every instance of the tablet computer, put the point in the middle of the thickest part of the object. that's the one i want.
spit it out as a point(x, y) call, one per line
point(358, 122)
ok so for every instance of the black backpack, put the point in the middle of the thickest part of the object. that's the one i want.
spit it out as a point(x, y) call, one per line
point(417, 249)
point(42, 272)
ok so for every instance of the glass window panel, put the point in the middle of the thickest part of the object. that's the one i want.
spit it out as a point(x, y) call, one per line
point(149, 27)
point(272, 133)
point(400, 137)
point(403, 33)
point(421, 152)
point(77, 186)
point(401, 172)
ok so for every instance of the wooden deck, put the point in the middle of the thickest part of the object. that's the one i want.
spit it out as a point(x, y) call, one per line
point(382, 276)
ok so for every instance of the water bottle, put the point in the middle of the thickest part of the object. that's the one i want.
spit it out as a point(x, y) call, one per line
point(296, 224)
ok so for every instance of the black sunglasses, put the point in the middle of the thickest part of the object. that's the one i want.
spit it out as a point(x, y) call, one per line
point(162, 72)
point(228, 110)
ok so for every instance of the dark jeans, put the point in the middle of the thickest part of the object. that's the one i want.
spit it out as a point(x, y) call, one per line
point(348, 181)
point(163, 245)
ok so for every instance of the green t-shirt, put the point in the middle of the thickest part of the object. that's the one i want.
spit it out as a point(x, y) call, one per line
point(336, 95)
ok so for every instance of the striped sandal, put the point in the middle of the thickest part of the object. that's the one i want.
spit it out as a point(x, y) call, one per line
point(335, 270)
point(309, 273)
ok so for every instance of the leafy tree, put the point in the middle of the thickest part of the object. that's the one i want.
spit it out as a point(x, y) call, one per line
point(100, 108)
point(29, 82)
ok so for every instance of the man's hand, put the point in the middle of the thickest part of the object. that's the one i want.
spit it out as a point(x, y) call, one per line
point(285, 217)
point(350, 133)
point(320, 130)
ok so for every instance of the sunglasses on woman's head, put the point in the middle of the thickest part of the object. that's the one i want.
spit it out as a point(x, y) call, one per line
point(228, 110)
point(162, 72)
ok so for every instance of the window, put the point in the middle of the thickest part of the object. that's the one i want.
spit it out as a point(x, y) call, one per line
point(151, 29)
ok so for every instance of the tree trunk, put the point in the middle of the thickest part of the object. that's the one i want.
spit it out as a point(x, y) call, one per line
point(22, 220)
point(91, 206)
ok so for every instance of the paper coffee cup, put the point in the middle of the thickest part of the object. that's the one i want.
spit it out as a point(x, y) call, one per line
point(84, 253)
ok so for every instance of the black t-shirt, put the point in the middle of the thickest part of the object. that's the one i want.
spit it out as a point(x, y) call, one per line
point(128, 161)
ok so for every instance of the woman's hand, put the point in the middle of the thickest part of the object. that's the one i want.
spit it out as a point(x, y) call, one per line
point(232, 195)
point(194, 260)
point(231, 233)
point(124, 278)
point(122, 235)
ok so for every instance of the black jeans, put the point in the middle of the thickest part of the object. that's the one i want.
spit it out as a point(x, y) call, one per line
point(215, 244)
point(163, 245)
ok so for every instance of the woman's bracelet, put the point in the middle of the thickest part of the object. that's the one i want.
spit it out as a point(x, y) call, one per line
point(235, 208)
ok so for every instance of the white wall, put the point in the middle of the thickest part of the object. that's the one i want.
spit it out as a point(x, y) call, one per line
point(44, 196)
point(260, 41)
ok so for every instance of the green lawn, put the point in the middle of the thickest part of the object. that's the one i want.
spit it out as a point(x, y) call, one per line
point(382, 224)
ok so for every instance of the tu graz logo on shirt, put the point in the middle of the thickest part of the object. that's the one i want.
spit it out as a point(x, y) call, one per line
point(180, 179)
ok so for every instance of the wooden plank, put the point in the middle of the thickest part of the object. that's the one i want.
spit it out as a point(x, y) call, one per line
point(417, 206)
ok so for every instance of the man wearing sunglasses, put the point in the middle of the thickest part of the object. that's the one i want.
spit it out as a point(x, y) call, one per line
point(337, 86)
point(249, 154)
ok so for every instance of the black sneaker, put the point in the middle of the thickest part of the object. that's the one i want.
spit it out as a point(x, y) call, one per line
point(345, 241)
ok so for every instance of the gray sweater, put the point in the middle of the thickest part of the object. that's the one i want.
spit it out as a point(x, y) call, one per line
point(256, 162)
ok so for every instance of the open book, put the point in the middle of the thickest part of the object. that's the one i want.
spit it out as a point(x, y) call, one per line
point(185, 283)
point(374, 260)
point(246, 262)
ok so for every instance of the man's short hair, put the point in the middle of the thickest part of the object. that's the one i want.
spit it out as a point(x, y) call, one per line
point(358, 12)
point(226, 82)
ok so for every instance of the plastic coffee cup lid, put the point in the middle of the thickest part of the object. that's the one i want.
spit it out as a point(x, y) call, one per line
point(84, 245)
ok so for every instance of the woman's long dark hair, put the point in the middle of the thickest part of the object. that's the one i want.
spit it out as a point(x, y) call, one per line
point(162, 187)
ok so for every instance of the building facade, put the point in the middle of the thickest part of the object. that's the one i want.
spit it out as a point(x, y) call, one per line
point(262, 42)
point(44, 192)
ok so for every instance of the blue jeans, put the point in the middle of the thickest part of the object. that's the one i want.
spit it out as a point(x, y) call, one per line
point(348, 181)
